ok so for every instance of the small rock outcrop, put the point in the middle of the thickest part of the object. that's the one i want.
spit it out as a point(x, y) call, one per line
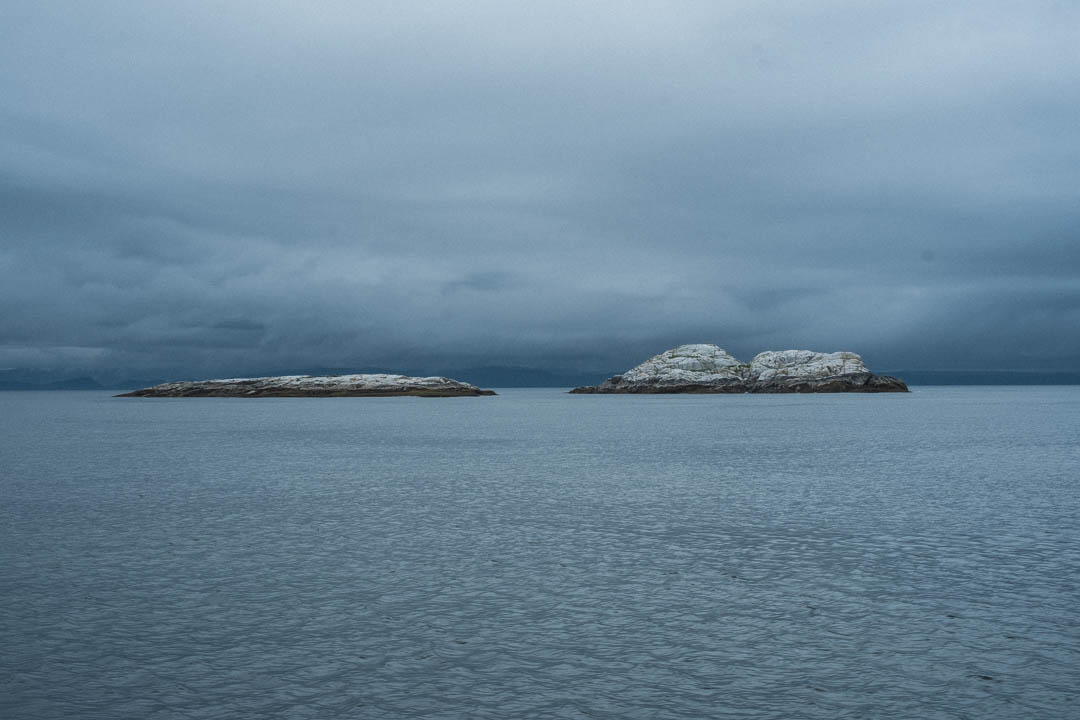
point(379, 385)
point(710, 369)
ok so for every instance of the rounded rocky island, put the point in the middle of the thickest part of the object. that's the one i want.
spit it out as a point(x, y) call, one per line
point(711, 369)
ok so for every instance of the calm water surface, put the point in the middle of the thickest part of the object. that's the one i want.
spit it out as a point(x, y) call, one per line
point(539, 554)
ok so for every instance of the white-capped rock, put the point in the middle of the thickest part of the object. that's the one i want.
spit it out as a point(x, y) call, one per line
point(688, 364)
point(701, 368)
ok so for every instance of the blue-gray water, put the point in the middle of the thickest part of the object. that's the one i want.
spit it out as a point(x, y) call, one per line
point(539, 554)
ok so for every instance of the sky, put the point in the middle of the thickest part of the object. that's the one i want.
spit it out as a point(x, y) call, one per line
point(236, 187)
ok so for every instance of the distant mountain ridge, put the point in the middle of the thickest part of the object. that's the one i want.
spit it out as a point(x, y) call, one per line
point(20, 379)
point(988, 377)
point(498, 376)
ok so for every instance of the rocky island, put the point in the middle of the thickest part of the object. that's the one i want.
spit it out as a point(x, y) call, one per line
point(710, 369)
point(315, 386)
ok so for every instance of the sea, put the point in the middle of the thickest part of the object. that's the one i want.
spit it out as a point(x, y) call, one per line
point(540, 554)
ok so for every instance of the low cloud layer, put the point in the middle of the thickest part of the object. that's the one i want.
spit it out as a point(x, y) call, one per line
point(237, 187)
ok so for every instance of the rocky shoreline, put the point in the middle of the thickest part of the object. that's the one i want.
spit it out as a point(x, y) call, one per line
point(380, 385)
point(710, 369)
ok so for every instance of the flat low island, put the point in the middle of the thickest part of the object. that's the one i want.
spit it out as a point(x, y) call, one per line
point(372, 385)
point(710, 369)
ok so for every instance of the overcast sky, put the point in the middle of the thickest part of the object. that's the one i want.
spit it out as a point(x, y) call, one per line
point(226, 187)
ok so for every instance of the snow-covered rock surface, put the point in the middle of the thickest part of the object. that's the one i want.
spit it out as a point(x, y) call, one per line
point(378, 385)
point(709, 369)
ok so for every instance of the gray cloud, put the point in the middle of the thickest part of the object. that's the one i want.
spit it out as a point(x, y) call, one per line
point(247, 186)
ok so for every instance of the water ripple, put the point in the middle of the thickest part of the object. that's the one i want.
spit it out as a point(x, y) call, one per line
point(541, 555)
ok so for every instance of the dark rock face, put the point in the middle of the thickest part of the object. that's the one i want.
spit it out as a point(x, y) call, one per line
point(316, 386)
point(860, 382)
point(708, 369)
point(617, 385)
